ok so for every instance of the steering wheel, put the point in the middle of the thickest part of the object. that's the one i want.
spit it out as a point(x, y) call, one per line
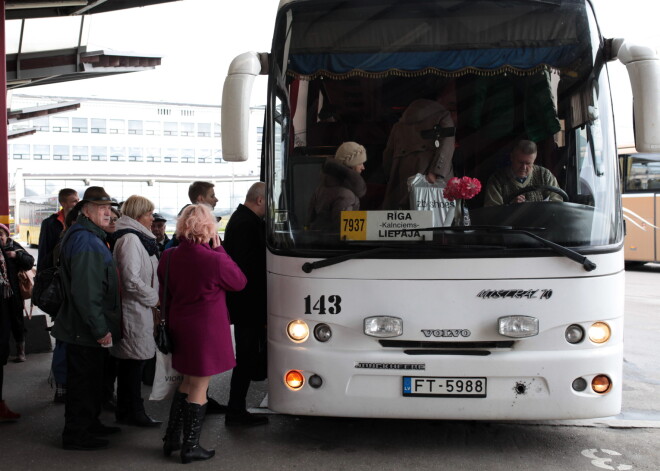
point(528, 189)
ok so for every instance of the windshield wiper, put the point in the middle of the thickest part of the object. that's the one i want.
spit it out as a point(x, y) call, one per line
point(309, 266)
point(587, 264)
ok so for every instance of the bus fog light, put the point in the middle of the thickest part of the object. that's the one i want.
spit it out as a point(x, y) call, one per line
point(383, 326)
point(518, 326)
point(599, 332)
point(315, 381)
point(574, 333)
point(579, 384)
point(322, 332)
point(298, 331)
point(601, 384)
point(294, 379)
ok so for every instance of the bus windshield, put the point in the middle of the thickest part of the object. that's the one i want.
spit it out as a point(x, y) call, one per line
point(443, 87)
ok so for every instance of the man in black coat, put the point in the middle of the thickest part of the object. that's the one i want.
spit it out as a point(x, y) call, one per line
point(52, 227)
point(245, 242)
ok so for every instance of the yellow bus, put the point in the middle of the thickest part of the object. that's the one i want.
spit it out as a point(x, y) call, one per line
point(31, 212)
point(640, 194)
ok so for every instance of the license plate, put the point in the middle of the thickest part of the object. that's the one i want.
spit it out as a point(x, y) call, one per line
point(424, 386)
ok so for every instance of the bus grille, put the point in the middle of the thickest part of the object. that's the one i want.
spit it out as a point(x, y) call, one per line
point(414, 347)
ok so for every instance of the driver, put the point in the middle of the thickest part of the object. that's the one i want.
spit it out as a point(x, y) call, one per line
point(522, 173)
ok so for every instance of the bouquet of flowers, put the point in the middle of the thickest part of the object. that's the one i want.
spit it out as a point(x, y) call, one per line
point(464, 188)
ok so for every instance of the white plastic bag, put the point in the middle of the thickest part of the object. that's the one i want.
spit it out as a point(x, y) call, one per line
point(425, 196)
point(166, 379)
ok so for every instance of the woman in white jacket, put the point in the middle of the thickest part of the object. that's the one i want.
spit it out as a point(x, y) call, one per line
point(135, 252)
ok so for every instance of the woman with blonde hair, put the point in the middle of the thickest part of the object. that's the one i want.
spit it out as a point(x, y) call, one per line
point(198, 275)
point(135, 252)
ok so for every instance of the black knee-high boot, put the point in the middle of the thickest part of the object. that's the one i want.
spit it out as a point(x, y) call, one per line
point(172, 438)
point(193, 419)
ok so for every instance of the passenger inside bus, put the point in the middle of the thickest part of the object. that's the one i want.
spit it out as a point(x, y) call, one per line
point(340, 189)
point(522, 180)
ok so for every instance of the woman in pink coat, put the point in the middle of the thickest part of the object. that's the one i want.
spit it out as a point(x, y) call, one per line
point(199, 276)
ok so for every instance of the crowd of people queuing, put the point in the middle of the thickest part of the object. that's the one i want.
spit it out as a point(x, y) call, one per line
point(117, 266)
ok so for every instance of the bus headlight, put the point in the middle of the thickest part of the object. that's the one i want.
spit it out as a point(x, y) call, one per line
point(297, 331)
point(518, 326)
point(599, 332)
point(322, 332)
point(601, 384)
point(294, 379)
point(574, 333)
point(383, 326)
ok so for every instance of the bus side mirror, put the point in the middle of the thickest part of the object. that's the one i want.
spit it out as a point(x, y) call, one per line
point(643, 67)
point(235, 111)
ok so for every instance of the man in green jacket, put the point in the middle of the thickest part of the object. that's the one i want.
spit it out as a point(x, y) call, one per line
point(522, 173)
point(88, 320)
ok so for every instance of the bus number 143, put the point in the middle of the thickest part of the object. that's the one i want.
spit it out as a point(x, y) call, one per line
point(319, 306)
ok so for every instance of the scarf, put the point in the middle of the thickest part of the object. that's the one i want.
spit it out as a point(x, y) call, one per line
point(148, 243)
point(5, 287)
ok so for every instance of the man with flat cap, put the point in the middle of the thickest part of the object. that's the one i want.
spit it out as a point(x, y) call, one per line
point(158, 229)
point(88, 320)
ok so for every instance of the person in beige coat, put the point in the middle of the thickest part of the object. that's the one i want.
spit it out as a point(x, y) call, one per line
point(411, 150)
point(135, 252)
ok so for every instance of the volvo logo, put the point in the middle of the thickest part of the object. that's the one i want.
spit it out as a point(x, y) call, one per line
point(446, 332)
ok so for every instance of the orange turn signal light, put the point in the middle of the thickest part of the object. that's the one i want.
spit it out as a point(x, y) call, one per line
point(294, 379)
point(601, 384)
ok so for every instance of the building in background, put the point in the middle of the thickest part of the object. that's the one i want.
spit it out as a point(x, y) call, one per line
point(153, 149)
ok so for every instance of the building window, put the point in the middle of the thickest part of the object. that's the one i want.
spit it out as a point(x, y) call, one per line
point(99, 126)
point(153, 154)
point(217, 156)
point(99, 153)
point(60, 124)
point(203, 129)
point(80, 153)
point(187, 112)
point(164, 111)
point(117, 126)
point(42, 124)
point(188, 129)
point(61, 152)
point(152, 128)
point(79, 125)
point(117, 154)
point(216, 129)
point(135, 154)
point(260, 137)
point(135, 127)
point(170, 128)
point(171, 155)
point(41, 152)
point(21, 151)
point(204, 156)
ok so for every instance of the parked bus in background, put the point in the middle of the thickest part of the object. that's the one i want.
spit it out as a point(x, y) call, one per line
point(640, 188)
point(516, 316)
point(31, 212)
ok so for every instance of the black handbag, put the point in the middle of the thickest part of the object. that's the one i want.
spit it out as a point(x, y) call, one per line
point(162, 334)
point(47, 290)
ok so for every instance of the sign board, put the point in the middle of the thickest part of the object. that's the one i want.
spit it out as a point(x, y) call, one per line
point(386, 225)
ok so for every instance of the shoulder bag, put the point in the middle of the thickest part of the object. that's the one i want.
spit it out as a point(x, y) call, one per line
point(162, 334)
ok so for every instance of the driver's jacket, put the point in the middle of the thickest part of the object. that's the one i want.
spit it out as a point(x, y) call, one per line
point(503, 185)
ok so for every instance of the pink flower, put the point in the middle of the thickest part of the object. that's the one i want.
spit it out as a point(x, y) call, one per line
point(462, 188)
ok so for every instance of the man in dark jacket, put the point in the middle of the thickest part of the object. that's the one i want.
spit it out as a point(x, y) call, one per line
point(88, 320)
point(245, 242)
point(52, 227)
point(51, 230)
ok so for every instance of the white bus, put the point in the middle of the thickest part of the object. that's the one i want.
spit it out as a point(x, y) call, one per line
point(517, 316)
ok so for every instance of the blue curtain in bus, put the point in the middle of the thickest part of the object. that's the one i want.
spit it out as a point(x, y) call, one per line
point(444, 62)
